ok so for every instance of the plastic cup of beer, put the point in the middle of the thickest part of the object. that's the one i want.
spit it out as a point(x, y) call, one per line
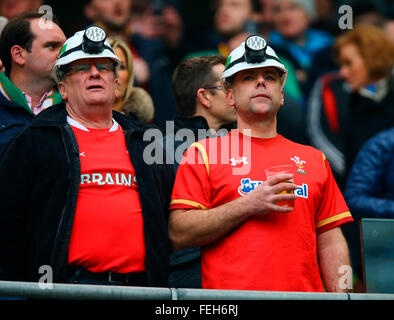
point(281, 169)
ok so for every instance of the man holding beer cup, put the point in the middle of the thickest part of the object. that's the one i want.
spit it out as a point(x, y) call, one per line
point(258, 230)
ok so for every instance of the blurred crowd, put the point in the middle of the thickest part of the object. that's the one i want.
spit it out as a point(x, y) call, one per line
point(339, 94)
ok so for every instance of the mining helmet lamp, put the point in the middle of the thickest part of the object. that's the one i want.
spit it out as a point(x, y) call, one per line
point(93, 39)
point(90, 43)
point(255, 51)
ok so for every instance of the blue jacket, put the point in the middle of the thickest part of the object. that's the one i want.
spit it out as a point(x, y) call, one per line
point(316, 40)
point(13, 118)
point(370, 190)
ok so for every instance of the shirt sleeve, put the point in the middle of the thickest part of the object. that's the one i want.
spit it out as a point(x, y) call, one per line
point(192, 186)
point(333, 210)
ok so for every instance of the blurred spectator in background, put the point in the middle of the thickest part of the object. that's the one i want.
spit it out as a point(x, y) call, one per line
point(28, 52)
point(349, 107)
point(152, 68)
point(200, 97)
point(326, 16)
point(237, 19)
point(294, 38)
point(114, 16)
point(367, 12)
point(202, 105)
point(12, 8)
point(265, 25)
point(132, 101)
point(233, 21)
point(369, 190)
point(159, 20)
point(378, 13)
point(389, 29)
point(264, 17)
point(362, 12)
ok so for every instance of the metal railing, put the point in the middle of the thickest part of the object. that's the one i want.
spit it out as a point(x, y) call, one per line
point(59, 291)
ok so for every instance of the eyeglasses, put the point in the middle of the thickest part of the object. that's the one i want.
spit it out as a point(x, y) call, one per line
point(213, 87)
point(85, 67)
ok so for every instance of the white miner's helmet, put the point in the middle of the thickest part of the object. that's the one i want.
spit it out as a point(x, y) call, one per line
point(88, 43)
point(251, 54)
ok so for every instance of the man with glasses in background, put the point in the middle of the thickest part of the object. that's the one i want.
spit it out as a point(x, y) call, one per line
point(201, 106)
point(77, 194)
point(200, 99)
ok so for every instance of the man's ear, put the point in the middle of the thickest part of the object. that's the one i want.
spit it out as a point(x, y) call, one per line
point(230, 97)
point(62, 90)
point(18, 55)
point(202, 97)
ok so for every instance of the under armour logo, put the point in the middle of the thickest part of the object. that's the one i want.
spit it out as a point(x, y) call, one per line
point(235, 162)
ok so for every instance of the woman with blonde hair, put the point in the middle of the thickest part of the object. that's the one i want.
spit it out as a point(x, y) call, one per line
point(365, 55)
point(133, 101)
point(350, 106)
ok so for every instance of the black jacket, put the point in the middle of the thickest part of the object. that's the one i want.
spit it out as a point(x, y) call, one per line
point(13, 118)
point(39, 181)
point(194, 124)
point(185, 259)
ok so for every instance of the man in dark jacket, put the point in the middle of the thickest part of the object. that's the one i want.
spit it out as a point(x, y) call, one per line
point(200, 99)
point(77, 194)
point(29, 46)
point(201, 105)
